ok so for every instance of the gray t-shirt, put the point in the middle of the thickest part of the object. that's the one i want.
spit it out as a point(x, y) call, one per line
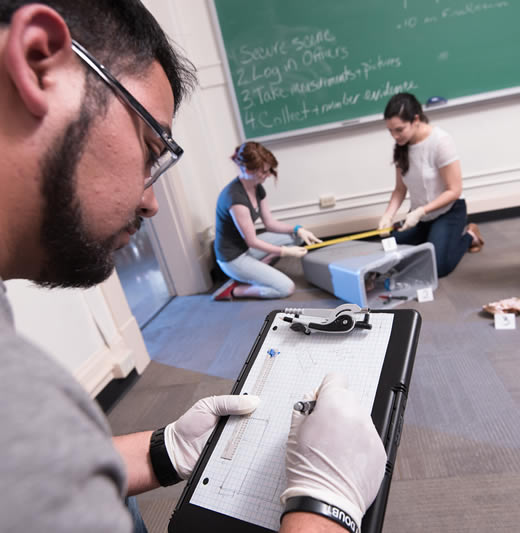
point(229, 243)
point(58, 470)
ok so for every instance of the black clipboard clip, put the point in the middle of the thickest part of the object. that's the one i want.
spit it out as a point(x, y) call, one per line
point(342, 319)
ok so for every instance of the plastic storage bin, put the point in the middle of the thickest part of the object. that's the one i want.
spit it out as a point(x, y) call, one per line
point(360, 272)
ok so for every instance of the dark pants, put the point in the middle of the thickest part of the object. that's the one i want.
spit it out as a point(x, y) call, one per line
point(447, 235)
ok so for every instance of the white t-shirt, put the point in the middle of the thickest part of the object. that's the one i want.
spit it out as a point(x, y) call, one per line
point(423, 179)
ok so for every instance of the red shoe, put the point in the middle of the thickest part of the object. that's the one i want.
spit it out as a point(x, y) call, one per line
point(225, 292)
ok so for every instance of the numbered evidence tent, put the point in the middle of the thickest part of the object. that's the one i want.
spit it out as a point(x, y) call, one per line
point(301, 66)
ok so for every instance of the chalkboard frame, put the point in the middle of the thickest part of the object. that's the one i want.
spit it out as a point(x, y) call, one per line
point(338, 125)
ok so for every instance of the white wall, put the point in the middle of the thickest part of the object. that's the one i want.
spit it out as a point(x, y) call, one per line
point(90, 332)
point(54, 320)
point(353, 164)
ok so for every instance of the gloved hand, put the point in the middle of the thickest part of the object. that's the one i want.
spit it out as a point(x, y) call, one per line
point(293, 251)
point(412, 218)
point(335, 454)
point(385, 222)
point(185, 438)
point(307, 236)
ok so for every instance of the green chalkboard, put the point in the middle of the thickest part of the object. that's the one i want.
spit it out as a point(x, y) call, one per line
point(300, 66)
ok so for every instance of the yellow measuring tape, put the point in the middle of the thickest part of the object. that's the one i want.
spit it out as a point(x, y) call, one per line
point(372, 233)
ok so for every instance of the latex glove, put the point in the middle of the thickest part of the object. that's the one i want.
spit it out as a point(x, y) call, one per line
point(293, 251)
point(385, 222)
point(335, 454)
point(307, 236)
point(412, 218)
point(185, 438)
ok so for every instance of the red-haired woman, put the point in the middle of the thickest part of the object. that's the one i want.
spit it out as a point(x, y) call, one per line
point(242, 254)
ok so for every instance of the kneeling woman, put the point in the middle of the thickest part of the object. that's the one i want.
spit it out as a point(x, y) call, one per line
point(427, 165)
point(242, 254)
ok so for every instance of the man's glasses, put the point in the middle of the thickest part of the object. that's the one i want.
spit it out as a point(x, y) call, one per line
point(172, 152)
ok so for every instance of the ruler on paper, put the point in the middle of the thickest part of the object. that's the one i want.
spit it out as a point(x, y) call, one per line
point(240, 428)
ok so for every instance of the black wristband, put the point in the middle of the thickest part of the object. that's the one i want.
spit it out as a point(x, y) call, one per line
point(305, 504)
point(162, 466)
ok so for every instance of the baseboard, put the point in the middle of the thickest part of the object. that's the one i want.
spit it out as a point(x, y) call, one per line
point(496, 214)
point(332, 231)
point(115, 390)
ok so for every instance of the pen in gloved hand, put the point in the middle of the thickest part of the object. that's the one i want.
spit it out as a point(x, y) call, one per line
point(304, 407)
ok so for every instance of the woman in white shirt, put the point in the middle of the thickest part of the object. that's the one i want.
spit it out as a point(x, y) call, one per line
point(428, 167)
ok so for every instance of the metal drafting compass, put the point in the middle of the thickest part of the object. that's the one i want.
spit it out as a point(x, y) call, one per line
point(342, 319)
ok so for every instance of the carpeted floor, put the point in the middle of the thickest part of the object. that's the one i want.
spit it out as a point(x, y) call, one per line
point(458, 466)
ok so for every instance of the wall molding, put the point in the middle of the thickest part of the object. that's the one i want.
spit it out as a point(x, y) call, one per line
point(211, 76)
point(123, 348)
point(110, 362)
point(491, 181)
point(380, 197)
point(128, 336)
point(96, 372)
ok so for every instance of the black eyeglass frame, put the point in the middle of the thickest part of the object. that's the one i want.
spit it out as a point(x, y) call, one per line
point(173, 148)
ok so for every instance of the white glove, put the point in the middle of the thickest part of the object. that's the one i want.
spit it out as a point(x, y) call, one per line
point(185, 438)
point(307, 236)
point(385, 222)
point(335, 454)
point(412, 218)
point(293, 251)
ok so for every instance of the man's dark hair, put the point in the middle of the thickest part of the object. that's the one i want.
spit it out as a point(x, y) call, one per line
point(122, 34)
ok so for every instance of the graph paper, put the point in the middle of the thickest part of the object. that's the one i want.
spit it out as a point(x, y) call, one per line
point(245, 474)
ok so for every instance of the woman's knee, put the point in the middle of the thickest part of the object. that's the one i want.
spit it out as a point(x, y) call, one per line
point(281, 290)
point(444, 268)
point(288, 289)
point(447, 259)
point(446, 265)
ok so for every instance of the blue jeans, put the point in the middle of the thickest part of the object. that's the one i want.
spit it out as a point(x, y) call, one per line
point(248, 268)
point(447, 235)
point(131, 503)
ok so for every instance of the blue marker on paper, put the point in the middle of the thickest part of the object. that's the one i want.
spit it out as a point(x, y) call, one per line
point(272, 352)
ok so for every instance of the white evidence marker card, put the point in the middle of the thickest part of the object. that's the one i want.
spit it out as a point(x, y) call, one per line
point(389, 244)
point(425, 295)
point(505, 321)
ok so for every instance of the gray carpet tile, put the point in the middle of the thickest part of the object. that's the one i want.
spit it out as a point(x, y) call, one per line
point(196, 333)
point(454, 505)
point(161, 395)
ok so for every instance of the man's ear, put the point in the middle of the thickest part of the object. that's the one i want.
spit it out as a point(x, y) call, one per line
point(38, 40)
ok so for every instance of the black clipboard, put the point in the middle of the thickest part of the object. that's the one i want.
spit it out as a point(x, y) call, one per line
point(387, 414)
